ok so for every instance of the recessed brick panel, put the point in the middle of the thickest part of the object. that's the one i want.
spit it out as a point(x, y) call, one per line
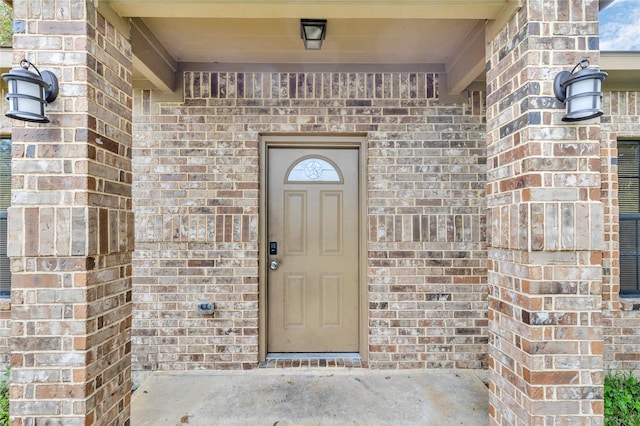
point(196, 190)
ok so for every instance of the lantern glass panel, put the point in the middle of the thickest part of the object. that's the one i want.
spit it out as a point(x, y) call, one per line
point(28, 88)
point(27, 108)
point(581, 103)
point(32, 104)
point(583, 99)
point(29, 103)
point(313, 44)
point(580, 86)
point(312, 32)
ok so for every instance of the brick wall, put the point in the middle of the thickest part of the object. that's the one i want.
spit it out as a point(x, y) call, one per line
point(545, 227)
point(71, 224)
point(196, 183)
point(621, 320)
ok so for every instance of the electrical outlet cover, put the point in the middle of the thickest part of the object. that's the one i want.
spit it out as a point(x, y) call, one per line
point(205, 307)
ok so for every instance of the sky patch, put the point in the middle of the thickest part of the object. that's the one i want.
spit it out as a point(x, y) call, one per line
point(620, 26)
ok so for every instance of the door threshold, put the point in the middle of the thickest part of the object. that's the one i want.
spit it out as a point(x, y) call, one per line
point(312, 355)
point(313, 360)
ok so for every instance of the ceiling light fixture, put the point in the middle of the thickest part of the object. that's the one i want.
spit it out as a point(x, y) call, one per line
point(312, 32)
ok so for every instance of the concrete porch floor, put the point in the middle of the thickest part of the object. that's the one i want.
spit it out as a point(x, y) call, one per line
point(319, 396)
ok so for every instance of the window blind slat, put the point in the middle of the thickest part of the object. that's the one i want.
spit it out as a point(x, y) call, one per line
point(5, 274)
point(5, 173)
point(5, 201)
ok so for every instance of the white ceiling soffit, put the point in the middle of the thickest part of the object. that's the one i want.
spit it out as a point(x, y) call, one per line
point(443, 35)
point(622, 69)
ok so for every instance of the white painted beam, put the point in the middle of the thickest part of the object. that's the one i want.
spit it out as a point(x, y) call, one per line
point(120, 23)
point(623, 69)
point(468, 61)
point(151, 59)
point(625, 60)
point(496, 25)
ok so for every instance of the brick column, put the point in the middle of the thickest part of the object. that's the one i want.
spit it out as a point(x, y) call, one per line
point(546, 223)
point(71, 224)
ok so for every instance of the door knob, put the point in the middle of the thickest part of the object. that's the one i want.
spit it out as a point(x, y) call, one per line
point(273, 265)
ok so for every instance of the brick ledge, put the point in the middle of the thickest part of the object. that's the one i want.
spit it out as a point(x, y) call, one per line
point(630, 303)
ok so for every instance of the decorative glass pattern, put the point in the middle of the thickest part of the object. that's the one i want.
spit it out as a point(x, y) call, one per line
point(313, 169)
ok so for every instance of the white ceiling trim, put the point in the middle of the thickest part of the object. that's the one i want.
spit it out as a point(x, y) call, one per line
point(326, 9)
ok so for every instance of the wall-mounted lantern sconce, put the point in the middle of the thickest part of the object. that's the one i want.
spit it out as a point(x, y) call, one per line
point(580, 91)
point(312, 32)
point(30, 92)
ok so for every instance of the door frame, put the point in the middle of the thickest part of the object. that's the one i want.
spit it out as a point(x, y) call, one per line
point(357, 141)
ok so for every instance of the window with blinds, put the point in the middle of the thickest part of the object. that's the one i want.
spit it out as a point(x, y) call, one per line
point(5, 200)
point(629, 204)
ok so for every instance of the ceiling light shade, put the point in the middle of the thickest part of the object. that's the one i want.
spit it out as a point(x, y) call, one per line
point(28, 92)
point(581, 92)
point(312, 32)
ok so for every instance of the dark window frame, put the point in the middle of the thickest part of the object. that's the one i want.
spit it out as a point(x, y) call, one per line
point(629, 225)
point(5, 172)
